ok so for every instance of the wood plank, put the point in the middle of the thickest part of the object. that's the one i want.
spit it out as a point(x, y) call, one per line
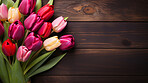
point(94, 62)
point(102, 10)
point(90, 79)
point(108, 34)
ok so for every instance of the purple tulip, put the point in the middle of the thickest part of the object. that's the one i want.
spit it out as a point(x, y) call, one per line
point(16, 30)
point(33, 42)
point(1, 28)
point(67, 42)
point(33, 22)
point(27, 6)
point(59, 24)
point(23, 54)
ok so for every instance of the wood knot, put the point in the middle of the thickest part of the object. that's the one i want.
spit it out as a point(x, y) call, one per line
point(89, 10)
point(126, 42)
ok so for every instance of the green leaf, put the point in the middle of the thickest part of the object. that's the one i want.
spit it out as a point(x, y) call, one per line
point(4, 1)
point(6, 27)
point(36, 61)
point(17, 73)
point(50, 2)
point(65, 18)
point(48, 65)
point(38, 65)
point(9, 3)
point(38, 5)
point(0, 1)
point(3, 70)
point(16, 4)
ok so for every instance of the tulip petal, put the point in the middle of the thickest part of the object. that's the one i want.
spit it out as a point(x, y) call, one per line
point(26, 56)
point(28, 41)
point(36, 46)
point(24, 7)
point(37, 25)
point(19, 30)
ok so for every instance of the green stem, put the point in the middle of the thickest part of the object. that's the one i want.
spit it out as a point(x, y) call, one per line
point(25, 36)
point(50, 2)
point(65, 18)
point(35, 55)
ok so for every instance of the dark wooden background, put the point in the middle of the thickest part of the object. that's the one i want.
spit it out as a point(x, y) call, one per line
point(111, 42)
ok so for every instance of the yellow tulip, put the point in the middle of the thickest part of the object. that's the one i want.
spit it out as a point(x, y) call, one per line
point(13, 14)
point(51, 43)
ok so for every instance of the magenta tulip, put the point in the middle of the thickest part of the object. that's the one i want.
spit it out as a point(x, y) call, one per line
point(59, 24)
point(33, 42)
point(45, 30)
point(33, 22)
point(67, 42)
point(3, 12)
point(1, 28)
point(23, 54)
point(16, 30)
point(27, 6)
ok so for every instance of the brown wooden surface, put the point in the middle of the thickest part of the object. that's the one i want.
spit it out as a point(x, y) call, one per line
point(111, 42)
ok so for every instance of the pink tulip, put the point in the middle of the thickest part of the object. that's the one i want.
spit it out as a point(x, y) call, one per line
point(45, 30)
point(23, 54)
point(67, 42)
point(1, 28)
point(33, 22)
point(33, 42)
point(59, 24)
point(16, 30)
point(3, 12)
point(27, 6)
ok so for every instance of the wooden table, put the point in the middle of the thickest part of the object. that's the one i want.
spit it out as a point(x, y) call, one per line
point(111, 42)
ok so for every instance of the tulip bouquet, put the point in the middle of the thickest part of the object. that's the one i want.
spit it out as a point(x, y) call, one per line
point(25, 39)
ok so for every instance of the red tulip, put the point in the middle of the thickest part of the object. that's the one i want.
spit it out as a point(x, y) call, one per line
point(33, 22)
point(45, 30)
point(1, 28)
point(27, 6)
point(16, 30)
point(8, 48)
point(67, 42)
point(46, 12)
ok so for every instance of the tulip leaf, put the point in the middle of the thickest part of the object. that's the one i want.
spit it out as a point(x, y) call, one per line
point(6, 27)
point(16, 4)
point(50, 2)
point(65, 18)
point(4, 1)
point(38, 5)
point(38, 65)
point(51, 63)
point(36, 61)
point(0, 1)
point(3, 70)
point(17, 75)
point(9, 3)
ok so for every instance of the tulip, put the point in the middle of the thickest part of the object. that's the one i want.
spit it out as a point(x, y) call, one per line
point(27, 6)
point(16, 30)
point(1, 28)
point(59, 24)
point(45, 30)
point(3, 12)
point(33, 42)
point(8, 48)
point(13, 14)
point(33, 22)
point(51, 43)
point(23, 54)
point(46, 12)
point(67, 42)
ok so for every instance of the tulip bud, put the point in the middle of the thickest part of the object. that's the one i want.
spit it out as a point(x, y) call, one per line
point(45, 30)
point(13, 14)
point(33, 42)
point(3, 12)
point(27, 6)
point(33, 22)
point(23, 54)
point(16, 30)
point(67, 42)
point(46, 12)
point(8, 48)
point(1, 28)
point(51, 43)
point(59, 24)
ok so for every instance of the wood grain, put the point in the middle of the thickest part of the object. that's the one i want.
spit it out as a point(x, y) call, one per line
point(102, 10)
point(102, 62)
point(96, 35)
